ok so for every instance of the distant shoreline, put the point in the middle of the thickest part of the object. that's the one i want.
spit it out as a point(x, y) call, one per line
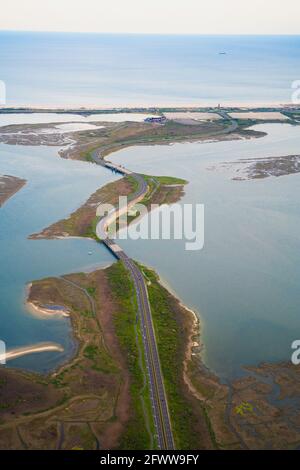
point(77, 109)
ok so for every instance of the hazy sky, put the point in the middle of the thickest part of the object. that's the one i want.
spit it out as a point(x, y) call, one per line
point(153, 16)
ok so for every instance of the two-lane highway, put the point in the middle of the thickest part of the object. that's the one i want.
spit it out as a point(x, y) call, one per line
point(155, 376)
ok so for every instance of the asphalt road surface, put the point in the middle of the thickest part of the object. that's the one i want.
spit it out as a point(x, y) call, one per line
point(156, 382)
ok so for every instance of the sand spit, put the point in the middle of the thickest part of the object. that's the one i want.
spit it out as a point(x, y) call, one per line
point(31, 349)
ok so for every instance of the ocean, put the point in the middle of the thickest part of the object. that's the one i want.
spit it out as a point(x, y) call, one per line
point(111, 70)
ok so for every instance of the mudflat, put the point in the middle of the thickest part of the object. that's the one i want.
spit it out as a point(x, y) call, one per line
point(9, 185)
point(260, 168)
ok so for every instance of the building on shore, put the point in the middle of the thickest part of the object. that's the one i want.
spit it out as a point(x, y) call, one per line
point(158, 119)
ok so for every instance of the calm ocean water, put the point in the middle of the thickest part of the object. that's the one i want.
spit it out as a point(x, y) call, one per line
point(111, 70)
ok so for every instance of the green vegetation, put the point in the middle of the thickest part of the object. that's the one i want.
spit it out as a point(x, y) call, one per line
point(244, 407)
point(170, 341)
point(117, 136)
point(87, 155)
point(163, 190)
point(168, 179)
point(133, 182)
point(91, 291)
point(160, 192)
point(90, 231)
point(83, 222)
point(136, 435)
point(102, 361)
point(87, 313)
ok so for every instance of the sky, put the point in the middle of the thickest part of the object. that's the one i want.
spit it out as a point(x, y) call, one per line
point(153, 16)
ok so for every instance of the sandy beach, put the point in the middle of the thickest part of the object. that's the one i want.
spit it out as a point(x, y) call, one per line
point(43, 311)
